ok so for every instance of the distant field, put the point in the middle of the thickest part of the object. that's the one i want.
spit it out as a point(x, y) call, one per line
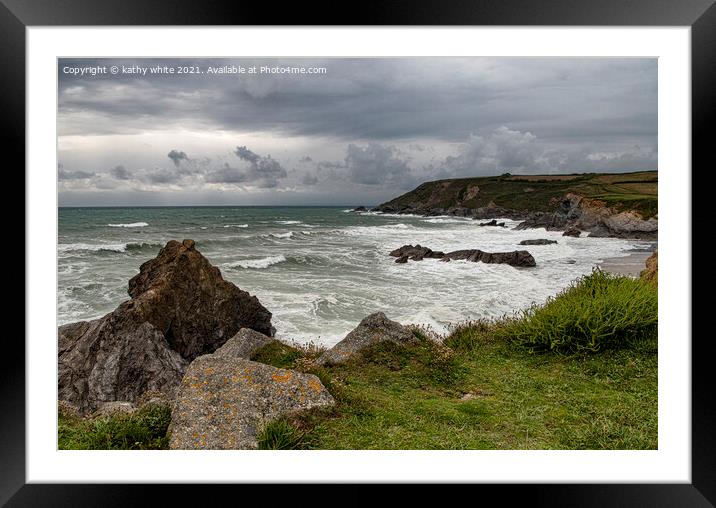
point(625, 191)
point(536, 178)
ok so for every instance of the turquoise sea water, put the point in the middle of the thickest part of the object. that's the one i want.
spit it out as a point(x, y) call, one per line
point(320, 270)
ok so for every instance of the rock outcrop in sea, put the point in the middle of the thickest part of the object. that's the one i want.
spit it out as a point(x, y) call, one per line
point(520, 258)
point(371, 330)
point(538, 241)
point(180, 308)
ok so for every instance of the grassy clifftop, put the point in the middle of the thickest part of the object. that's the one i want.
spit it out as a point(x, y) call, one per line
point(532, 193)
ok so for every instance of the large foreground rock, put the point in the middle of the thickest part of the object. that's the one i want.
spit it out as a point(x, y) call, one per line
point(223, 401)
point(371, 330)
point(180, 307)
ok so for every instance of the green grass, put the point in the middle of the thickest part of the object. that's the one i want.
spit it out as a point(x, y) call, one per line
point(486, 386)
point(145, 429)
point(483, 390)
point(281, 435)
point(598, 311)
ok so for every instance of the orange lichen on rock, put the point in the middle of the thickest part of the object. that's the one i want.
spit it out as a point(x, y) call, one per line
point(282, 378)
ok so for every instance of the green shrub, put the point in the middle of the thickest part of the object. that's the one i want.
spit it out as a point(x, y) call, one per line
point(146, 429)
point(281, 435)
point(597, 312)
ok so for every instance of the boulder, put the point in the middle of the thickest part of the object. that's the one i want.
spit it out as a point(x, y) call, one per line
point(538, 241)
point(371, 330)
point(360, 209)
point(244, 344)
point(180, 307)
point(572, 232)
point(223, 401)
point(185, 297)
point(67, 409)
point(416, 253)
point(114, 408)
point(520, 258)
point(493, 222)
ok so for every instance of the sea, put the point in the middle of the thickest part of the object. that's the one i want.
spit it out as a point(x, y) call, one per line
point(320, 270)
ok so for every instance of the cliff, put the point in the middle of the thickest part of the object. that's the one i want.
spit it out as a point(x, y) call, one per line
point(621, 205)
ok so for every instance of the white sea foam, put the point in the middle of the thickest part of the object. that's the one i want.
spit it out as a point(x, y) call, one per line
point(446, 220)
point(236, 225)
point(130, 225)
point(72, 247)
point(257, 263)
point(288, 222)
point(282, 235)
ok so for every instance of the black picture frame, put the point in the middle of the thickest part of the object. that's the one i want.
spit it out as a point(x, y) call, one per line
point(700, 15)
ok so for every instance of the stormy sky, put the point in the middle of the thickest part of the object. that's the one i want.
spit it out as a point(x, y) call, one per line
point(357, 133)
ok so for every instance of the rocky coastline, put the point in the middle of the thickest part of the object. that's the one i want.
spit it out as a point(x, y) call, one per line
point(572, 212)
point(187, 340)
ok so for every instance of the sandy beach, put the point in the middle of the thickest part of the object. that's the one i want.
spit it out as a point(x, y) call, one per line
point(632, 264)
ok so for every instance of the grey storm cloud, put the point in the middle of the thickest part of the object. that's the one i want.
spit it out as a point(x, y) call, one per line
point(64, 174)
point(177, 157)
point(160, 175)
point(508, 150)
point(120, 173)
point(369, 125)
point(377, 164)
point(262, 171)
point(362, 98)
point(245, 154)
point(309, 179)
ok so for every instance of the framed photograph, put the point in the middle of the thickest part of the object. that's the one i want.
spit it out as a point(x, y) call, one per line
point(413, 249)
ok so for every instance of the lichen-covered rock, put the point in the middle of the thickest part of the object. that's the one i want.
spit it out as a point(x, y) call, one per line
point(180, 307)
point(67, 409)
point(244, 344)
point(114, 408)
point(224, 401)
point(371, 330)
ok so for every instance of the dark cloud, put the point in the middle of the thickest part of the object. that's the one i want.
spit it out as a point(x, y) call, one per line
point(245, 154)
point(367, 127)
point(63, 174)
point(513, 151)
point(309, 179)
point(378, 99)
point(159, 176)
point(376, 164)
point(177, 157)
point(262, 171)
point(120, 173)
